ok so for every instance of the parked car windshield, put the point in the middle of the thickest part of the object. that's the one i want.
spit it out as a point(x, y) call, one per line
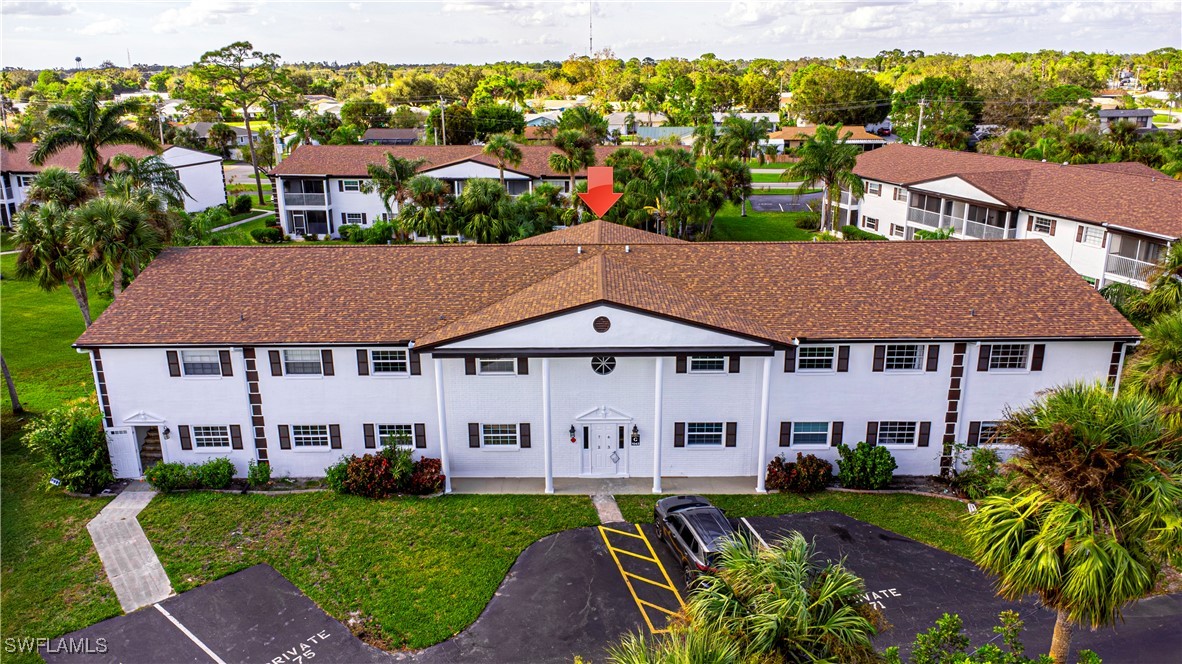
point(710, 525)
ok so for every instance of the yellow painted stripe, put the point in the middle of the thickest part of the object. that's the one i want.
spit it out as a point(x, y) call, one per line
point(680, 602)
point(636, 555)
point(659, 608)
point(620, 532)
point(650, 581)
point(628, 583)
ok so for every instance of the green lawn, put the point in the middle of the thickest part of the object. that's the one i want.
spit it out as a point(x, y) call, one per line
point(1163, 119)
point(769, 165)
point(782, 192)
point(6, 242)
point(933, 521)
point(417, 571)
point(758, 226)
point(767, 177)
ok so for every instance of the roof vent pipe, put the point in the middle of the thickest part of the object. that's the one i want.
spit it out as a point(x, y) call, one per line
point(580, 249)
point(627, 248)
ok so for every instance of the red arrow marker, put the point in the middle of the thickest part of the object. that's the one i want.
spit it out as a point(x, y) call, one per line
point(600, 197)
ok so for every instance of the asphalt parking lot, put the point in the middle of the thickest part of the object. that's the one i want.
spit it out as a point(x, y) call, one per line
point(778, 203)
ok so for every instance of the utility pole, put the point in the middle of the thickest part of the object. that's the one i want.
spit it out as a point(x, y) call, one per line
point(919, 130)
point(276, 135)
point(591, 29)
point(443, 118)
point(160, 118)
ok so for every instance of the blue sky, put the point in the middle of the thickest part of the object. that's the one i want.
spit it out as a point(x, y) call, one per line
point(51, 34)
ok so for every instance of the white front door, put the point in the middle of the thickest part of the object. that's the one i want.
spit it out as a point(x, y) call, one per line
point(125, 455)
point(605, 454)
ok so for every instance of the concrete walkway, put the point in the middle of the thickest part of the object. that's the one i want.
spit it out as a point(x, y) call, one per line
point(262, 213)
point(606, 507)
point(573, 486)
point(131, 564)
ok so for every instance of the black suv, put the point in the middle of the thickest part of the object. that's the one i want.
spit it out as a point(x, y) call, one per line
point(694, 529)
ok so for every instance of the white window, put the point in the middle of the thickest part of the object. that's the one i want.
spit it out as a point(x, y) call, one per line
point(896, 433)
point(309, 435)
point(874, 189)
point(498, 435)
point(1008, 357)
point(201, 363)
point(388, 361)
point(707, 364)
point(810, 433)
point(207, 436)
point(989, 434)
point(814, 358)
point(354, 218)
point(402, 435)
point(1091, 235)
point(900, 194)
point(302, 362)
point(898, 231)
point(24, 181)
point(870, 222)
point(501, 366)
point(702, 434)
point(904, 357)
point(1042, 225)
point(351, 185)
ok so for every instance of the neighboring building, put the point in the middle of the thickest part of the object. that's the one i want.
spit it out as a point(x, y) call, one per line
point(1110, 222)
point(539, 133)
point(241, 136)
point(324, 186)
point(772, 119)
point(683, 135)
point(200, 172)
point(547, 119)
point(790, 138)
point(1142, 118)
point(626, 122)
point(391, 136)
point(595, 351)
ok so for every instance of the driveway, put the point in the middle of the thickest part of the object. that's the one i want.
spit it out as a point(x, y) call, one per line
point(785, 203)
point(239, 173)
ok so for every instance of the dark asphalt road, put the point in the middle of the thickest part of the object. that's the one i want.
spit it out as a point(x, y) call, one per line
point(778, 203)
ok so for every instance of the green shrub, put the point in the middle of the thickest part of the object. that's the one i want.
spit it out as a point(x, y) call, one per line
point(371, 476)
point(267, 235)
point(242, 204)
point(351, 233)
point(311, 237)
point(851, 232)
point(805, 475)
point(946, 643)
point(809, 222)
point(336, 474)
point(169, 477)
point(982, 475)
point(73, 447)
point(426, 478)
point(865, 466)
point(382, 232)
point(214, 474)
point(258, 474)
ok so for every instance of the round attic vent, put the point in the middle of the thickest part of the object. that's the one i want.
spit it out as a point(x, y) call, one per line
point(602, 324)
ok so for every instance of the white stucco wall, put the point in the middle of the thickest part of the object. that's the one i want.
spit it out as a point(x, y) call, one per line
point(1085, 259)
point(201, 173)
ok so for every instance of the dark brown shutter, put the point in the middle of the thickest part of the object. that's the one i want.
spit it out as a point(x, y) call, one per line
point(974, 434)
point(1079, 233)
point(1104, 239)
point(925, 433)
point(933, 357)
point(420, 435)
point(838, 430)
point(523, 434)
point(679, 434)
point(362, 362)
point(470, 366)
point(334, 436)
point(523, 366)
point(326, 361)
point(1037, 353)
point(343, 221)
point(872, 433)
point(341, 187)
point(843, 358)
point(224, 359)
point(186, 440)
point(235, 436)
point(1029, 223)
point(174, 363)
point(879, 357)
point(785, 434)
point(473, 435)
point(732, 429)
point(371, 441)
point(276, 364)
point(790, 359)
point(416, 366)
point(1054, 222)
point(983, 357)
point(733, 364)
point(681, 362)
point(284, 437)
point(363, 217)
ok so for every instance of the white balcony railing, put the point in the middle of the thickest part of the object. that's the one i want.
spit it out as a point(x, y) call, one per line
point(303, 199)
point(930, 219)
point(976, 229)
point(1129, 268)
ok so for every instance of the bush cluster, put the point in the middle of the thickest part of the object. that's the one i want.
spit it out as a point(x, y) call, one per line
point(381, 232)
point(258, 474)
point(851, 232)
point(982, 476)
point(865, 466)
point(805, 475)
point(809, 222)
point(169, 477)
point(389, 472)
point(241, 204)
point(267, 235)
point(70, 439)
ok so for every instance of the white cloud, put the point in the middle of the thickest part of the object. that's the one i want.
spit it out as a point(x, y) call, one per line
point(110, 26)
point(201, 13)
point(355, 6)
point(470, 41)
point(38, 8)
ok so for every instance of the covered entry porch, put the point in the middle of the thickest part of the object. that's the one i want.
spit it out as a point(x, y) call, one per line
point(583, 486)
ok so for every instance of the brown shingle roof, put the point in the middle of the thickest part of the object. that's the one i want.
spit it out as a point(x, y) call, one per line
point(18, 160)
point(1119, 194)
point(352, 160)
point(599, 231)
point(772, 291)
point(803, 133)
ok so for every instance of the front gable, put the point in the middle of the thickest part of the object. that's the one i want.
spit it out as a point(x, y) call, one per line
point(470, 169)
point(956, 187)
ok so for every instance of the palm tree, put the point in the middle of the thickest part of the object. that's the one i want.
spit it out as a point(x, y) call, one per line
point(90, 126)
point(1155, 371)
point(154, 173)
point(163, 219)
point(57, 185)
point(17, 408)
point(6, 142)
point(391, 180)
point(482, 206)
point(1044, 149)
point(586, 121)
point(502, 148)
point(704, 139)
point(1122, 136)
point(830, 161)
point(428, 212)
point(575, 152)
point(663, 189)
point(740, 138)
point(222, 136)
point(1164, 282)
point(1097, 511)
point(113, 234)
point(47, 256)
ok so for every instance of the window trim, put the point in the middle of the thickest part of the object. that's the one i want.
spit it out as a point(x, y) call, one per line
point(379, 438)
point(373, 370)
point(356, 184)
point(902, 234)
point(984, 441)
point(1025, 368)
point(1035, 219)
point(289, 374)
point(359, 221)
point(870, 223)
point(327, 446)
point(828, 436)
point(217, 362)
point(689, 364)
point(810, 370)
point(721, 444)
point(873, 189)
point(1086, 229)
point(900, 446)
point(210, 449)
point(920, 359)
point(501, 448)
point(480, 370)
point(900, 194)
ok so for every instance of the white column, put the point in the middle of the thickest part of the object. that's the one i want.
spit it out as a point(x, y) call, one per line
point(441, 414)
point(764, 402)
point(657, 418)
point(547, 429)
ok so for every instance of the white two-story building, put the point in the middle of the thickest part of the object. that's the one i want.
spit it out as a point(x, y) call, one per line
point(596, 351)
point(1110, 222)
point(200, 172)
point(325, 186)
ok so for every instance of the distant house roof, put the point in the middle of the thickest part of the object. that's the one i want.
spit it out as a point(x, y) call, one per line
point(19, 159)
point(857, 134)
point(599, 231)
point(202, 128)
point(538, 132)
point(639, 117)
point(1123, 195)
point(659, 133)
point(392, 134)
point(1127, 113)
